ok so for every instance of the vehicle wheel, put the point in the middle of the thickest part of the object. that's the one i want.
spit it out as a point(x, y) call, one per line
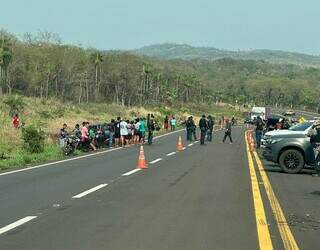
point(291, 161)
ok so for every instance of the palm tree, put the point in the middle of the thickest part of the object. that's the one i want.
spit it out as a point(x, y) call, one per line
point(5, 59)
point(97, 58)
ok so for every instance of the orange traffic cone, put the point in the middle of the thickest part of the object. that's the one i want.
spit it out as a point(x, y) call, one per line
point(252, 143)
point(142, 164)
point(180, 145)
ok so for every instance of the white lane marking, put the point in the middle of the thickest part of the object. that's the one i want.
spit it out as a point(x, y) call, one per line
point(172, 153)
point(189, 145)
point(78, 157)
point(156, 160)
point(89, 191)
point(16, 224)
point(131, 172)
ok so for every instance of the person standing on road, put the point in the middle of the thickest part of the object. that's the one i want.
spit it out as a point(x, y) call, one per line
point(203, 125)
point(142, 130)
point(228, 131)
point(151, 128)
point(314, 134)
point(117, 135)
point(259, 130)
point(193, 130)
point(137, 134)
point(189, 129)
point(111, 133)
point(124, 133)
point(210, 128)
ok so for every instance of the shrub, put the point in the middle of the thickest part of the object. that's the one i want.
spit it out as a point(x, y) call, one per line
point(15, 102)
point(33, 139)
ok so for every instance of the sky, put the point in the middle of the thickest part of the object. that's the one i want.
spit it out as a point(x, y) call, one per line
point(291, 25)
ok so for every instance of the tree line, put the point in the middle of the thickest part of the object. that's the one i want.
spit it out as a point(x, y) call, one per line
point(42, 66)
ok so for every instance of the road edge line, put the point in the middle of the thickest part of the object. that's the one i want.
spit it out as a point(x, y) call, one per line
point(76, 158)
point(264, 238)
point(285, 231)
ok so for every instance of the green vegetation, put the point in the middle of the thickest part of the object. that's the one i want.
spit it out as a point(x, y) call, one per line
point(49, 83)
point(38, 141)
point(41, 66)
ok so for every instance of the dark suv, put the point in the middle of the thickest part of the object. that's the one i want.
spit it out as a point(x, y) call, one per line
point(292, 151)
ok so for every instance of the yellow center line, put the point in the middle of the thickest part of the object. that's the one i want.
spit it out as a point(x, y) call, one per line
point(285, 232)
point(261, 221)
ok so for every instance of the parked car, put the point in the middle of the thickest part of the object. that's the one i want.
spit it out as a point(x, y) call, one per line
point(291, 149)
point(273, 120)
point(289, 113)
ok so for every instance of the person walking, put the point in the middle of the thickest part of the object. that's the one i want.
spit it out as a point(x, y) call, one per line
point(210, 128)
point(259, 130)
point(228, 131)
point(203, 125)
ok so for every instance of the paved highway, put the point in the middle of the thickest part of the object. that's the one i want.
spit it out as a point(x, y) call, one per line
point(218, 196)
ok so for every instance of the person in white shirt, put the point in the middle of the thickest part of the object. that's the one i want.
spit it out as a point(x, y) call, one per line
point(124, 132)
point(136, 138)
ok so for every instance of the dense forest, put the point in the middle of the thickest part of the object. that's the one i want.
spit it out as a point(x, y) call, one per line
point(42, 66)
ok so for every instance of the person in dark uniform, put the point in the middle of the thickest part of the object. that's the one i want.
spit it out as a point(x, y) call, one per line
point(210, 128)
point(151, 128)
point(259, 130)
point(203, 125)
point(193, 129)
point(228, 131)
point(314, 134)
point(117, 135)
point(188, 128)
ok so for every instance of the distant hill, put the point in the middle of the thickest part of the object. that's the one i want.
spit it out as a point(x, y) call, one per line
point(187, 52)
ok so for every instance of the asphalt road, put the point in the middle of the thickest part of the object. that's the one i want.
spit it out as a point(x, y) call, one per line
point(205, 197)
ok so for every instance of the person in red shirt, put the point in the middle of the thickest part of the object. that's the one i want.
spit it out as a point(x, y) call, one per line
point(166, 123)
point(16, 121)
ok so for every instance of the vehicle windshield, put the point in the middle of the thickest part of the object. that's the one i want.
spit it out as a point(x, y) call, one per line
point(301, 126)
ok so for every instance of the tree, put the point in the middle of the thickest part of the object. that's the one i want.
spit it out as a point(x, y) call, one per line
point(5, 59)
point(97, 58)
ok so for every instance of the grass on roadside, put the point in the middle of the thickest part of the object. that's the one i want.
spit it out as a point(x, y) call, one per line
point(51, 114)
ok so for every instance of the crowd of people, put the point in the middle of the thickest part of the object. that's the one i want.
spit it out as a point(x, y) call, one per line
point(206, 127)
point(118, 132)
point(123, 132)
